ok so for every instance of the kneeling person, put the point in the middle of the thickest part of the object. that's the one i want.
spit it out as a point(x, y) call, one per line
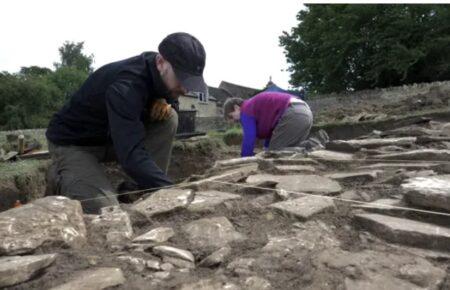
point(124, 110)
point(280, 118)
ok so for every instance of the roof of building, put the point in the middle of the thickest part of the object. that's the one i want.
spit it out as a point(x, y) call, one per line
point(238, 91)
point(219, 94)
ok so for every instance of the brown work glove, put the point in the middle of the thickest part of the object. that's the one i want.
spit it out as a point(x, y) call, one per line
point(160, 110)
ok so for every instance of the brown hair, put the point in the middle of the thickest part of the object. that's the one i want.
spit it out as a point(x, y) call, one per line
point(228, 107)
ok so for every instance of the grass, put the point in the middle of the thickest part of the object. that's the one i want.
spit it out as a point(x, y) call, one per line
point(21, 168)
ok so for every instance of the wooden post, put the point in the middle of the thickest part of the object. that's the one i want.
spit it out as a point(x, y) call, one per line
point(21, 147)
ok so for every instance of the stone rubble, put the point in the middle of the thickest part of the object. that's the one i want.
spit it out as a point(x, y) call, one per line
point(367, 213)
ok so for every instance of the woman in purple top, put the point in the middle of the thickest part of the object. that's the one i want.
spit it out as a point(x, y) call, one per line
point(280, 118)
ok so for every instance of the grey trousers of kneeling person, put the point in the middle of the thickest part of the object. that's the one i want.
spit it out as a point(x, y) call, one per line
point(77, 172)
point(292, 128)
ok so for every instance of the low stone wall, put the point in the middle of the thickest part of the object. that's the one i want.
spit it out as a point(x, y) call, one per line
point(385, 96)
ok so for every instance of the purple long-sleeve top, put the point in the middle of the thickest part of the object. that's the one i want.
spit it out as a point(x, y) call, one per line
point(259, 116)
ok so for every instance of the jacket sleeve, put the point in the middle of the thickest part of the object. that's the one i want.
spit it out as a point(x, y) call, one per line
point(249, 130)
point(125, 102)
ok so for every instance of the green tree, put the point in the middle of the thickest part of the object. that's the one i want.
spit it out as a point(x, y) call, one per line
point(33, 71)
point(71, 54)
point(30, 97)
point(352, 47)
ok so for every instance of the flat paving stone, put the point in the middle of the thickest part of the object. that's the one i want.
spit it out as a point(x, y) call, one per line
point(298, 183)
point(429, 192)
point(305, 207)
point(411, 166)
point(18, 269)
point(328, 155)
point(206, 201)
point(420, 154)
point(406, 231)
point(229, 176)
point(295, 168)
point(359, 176)
point(164, 201)
point(355, 145)
point(94, 279)
point(236, 161)
point(383, 205)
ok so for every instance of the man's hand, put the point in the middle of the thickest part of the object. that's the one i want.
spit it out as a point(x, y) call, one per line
point(160, 110)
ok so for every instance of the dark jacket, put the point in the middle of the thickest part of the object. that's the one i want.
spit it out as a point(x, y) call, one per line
point(111, 106)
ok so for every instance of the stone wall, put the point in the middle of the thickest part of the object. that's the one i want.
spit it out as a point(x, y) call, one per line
point(385, 96)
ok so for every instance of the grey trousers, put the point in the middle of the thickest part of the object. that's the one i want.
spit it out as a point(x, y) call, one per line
point(77, 172)
point(292, 128)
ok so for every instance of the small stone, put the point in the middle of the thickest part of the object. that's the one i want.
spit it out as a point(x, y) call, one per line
point(140, 247)
point(242, 266)
point(18, 269)
point(257, 283)
point(164, 201)
point(154, 265)
point(179, 262)
point(138, 264)
point(173, 252)
point(167, 267)
point(216, 258)
point(162, 275)
point(157, 235)
point(211, 232)
point(305, 207)
point(94, 279)
point(92, 260)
